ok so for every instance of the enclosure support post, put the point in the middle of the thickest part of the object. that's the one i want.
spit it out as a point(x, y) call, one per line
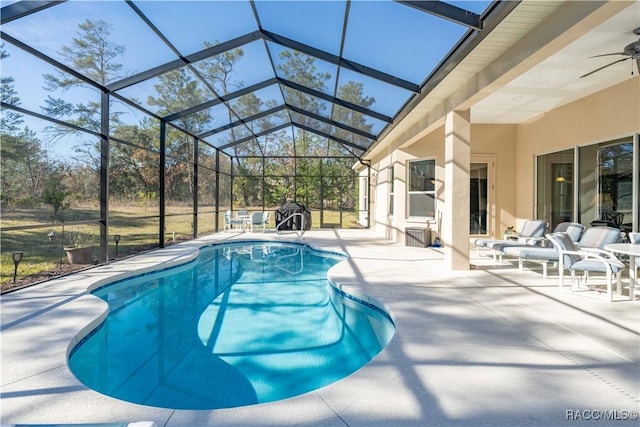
point(217, 190)
point(263, 183)
point(104, 177)
point(161, 196)
point(231, 189)
point(194, 230)
point(321, 195)
point(368, 195)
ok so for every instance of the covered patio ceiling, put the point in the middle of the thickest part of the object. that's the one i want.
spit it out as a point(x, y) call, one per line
point(340, 70)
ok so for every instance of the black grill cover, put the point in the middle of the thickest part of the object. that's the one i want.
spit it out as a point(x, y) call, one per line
point(295, 223)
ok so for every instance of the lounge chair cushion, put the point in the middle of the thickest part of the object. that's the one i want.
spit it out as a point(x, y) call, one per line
point(597, 237)
point(531, 252)
point(547, 252)
point(598, 266)
point(502, 245)
point(573, 229)
point(533, 228)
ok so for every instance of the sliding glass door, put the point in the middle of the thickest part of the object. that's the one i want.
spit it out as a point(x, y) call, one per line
point(481, 194)
point(606, 183)
point(607, 188)
point(555, 189)
point(479, 220)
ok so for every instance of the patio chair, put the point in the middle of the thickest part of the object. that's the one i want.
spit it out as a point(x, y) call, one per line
point(616, 217)
point(229, 222)
point(546, 253)
point(266, 217)
point(593, 237)
point(597, 237)
point(532, 233)
point(259, 219)
point(579, 260)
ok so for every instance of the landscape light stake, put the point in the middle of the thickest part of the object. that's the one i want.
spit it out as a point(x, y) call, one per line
point(52, 237)
point(116, 238)
point(16, 257)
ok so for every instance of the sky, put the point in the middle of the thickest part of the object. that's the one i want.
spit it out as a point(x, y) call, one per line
point(383, 35)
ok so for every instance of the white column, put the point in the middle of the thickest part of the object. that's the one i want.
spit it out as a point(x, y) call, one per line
point(455, 216)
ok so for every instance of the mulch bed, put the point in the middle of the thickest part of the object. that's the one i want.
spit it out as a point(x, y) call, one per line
point(23, 282)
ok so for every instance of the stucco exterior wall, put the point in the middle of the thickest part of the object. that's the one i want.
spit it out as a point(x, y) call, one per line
point(601, 117)
point(497, 140)
point(501, 141)
point(604, 116)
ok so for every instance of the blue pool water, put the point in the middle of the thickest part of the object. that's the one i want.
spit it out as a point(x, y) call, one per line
point(242, 324)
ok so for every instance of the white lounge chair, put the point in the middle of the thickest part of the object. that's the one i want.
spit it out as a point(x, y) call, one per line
point(532, 233)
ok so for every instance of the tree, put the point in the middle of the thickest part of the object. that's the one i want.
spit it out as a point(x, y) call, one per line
point(134, 165)
point(219, 69)
point(178, 90)
point(10, 121)
point(91, 54)
point(55, 191)
point(25, 167)
point(94, 55)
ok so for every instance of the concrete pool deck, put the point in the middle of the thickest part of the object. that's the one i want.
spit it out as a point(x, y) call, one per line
point(493, 346)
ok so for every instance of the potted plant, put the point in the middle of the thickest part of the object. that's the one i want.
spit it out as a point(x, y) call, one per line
point(79, 247)
point(510, 232)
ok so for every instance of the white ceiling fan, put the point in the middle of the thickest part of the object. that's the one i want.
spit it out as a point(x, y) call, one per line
point(631, 51)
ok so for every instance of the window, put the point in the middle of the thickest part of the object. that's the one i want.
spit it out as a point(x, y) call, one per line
point(421, 188)
point(364, 194)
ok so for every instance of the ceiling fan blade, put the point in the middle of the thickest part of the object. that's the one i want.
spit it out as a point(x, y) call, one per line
point(602, 68)
point(608, 54)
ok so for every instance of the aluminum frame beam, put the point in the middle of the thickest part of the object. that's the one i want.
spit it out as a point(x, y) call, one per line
point(184, 61)
point(446, 11)
point(286, 107)
point(336, 60)
point(330, 137)
point(243, 121)
point(332, 122)
point(254, 136)
point(334, 100)
point(220, 100)
point(268, 36)
point(24, 8)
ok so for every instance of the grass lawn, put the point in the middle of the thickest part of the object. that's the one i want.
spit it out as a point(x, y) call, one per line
point(137, 225)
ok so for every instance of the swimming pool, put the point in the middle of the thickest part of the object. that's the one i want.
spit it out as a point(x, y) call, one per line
point(244, 323)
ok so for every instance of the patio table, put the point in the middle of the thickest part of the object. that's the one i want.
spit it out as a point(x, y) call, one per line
point(246, 220)
point(633, 250)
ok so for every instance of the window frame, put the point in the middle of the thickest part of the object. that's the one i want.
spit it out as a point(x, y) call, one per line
point(432, 193)
point(392, 177)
